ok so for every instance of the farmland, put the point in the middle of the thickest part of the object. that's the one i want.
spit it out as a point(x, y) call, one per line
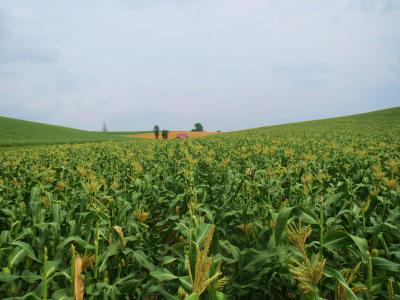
point(173, 134)
point(306, 210)
point(15, 133)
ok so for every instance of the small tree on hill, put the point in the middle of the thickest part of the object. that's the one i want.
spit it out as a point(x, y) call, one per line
point(156, 131)
point(164, 134)
point(198, 127)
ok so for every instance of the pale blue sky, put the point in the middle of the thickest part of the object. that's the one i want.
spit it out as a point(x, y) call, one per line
point(228, 64)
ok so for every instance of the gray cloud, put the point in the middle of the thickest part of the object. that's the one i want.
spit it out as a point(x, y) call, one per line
point(17, 47)
point(229, 64)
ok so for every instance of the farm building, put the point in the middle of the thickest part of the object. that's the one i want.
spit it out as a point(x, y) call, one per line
point(181, 136)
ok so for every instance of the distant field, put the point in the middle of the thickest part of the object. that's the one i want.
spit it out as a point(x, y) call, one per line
point(123, 133)
point(17, 133)
point(173, 134)
point(14, 132)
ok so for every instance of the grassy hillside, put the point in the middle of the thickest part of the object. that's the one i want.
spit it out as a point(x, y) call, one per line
point(14, 132)
point(386, 119)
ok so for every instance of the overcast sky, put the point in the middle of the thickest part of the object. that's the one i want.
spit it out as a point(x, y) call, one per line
point(228, 64)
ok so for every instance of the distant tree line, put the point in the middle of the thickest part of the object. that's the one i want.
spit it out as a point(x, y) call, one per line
point(198, 127)
point(164, 133)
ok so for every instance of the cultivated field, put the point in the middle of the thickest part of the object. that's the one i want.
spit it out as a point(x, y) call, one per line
point(14, 132)
point(300, 211)
point(173, 134)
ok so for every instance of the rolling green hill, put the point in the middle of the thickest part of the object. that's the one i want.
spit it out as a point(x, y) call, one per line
point(15, 132)
point(387, 119)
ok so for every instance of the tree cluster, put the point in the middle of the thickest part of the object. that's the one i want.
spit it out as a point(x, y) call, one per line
point(164, 132)
point(198, 127)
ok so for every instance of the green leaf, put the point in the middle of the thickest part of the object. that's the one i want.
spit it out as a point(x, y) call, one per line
point(162, 292)
point(16, 256)
point(186, 283)
point(75, 239)
point(306, 216)
point(30, 277)
point(28, 249)
point(330, 272)
point(202, 232)
point(168, 259)
point(231, 249)
point(281, 221)
point(192, 296)
point(7, 277)
point(163, 275)
point(112, 250)
point(61, 294)
point(28, 296)
point(334, 199)
point(361, 244)
point(261, 259)
point(382, 264)
point(142, 260)
point(220, 296)
point(337, 240)
point(127, 284)
point(50, 268)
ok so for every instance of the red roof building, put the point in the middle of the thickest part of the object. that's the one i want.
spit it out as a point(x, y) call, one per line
point(181, 136)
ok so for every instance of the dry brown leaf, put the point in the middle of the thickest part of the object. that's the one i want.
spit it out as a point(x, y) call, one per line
point(79, 286)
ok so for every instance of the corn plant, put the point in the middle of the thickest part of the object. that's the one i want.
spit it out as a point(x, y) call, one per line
point(296, 211)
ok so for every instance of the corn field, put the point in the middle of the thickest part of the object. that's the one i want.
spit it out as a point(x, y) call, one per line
point(295, 212)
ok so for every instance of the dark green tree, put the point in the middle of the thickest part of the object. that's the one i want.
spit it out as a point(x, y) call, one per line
point(198, 127)
point(156, 131)
point(164, 134)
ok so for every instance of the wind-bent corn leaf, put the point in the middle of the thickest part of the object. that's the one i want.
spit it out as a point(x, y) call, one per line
point(50, 268)
point(62, 294)
point(30, 277)
point(261, 259)
point(284, 215)
point(143, 261)
point(162, 292)
point(127, 284)
point(186, 283)
point(163, 275)
point(382, 264)
point(361, 244)
point(112, 250)
point(16, 256)
point(168, 259)
point(192, 296)
point(7, 277)
point(306, 216)
point(28, 249)
point(72, 239)
point(337, 240)
point(202, 232)
point(329, 272)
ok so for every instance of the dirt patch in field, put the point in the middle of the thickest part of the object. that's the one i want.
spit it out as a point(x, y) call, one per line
point(174, 134)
